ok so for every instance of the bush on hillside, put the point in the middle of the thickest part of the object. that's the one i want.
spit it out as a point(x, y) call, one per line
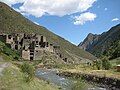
point(1, 46)
point(28, 70)
point(106, 63)
point(98, 64)
point(6, 50)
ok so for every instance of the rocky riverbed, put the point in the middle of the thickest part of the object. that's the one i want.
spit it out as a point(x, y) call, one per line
point(64, 83)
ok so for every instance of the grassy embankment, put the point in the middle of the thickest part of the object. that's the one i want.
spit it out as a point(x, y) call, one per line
point(87, 69)
point(13, 77)
point(81, 84)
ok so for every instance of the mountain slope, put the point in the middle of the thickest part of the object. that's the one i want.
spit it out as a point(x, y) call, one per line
point(89, 41)
point(12, 21)
point(98, 44)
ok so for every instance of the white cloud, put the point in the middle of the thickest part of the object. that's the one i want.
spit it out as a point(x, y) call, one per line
point(12, 2)
point(37, 23)
point(105, 9)
point(39, 8)
point(84, 17)
point(18, 10)
point(115, 19)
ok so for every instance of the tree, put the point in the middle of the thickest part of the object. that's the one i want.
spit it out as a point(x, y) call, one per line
point(105, 63)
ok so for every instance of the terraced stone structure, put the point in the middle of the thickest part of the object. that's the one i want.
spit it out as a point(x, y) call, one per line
point(31, 46)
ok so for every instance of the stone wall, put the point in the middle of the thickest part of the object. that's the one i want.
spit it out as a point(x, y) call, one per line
point(26, 54)
point(38, 54)
point(9, 39)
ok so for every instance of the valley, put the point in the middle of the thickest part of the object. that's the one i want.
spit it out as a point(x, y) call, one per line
point(34, 58)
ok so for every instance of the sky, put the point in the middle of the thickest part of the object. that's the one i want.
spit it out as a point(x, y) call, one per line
point(70, 19)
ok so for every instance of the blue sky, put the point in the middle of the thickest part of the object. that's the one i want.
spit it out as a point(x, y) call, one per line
point(69, 21)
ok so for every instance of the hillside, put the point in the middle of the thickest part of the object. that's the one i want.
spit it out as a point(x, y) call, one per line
point(89, 41)
point(12, 21)
point(103, 43)
point(12, 78)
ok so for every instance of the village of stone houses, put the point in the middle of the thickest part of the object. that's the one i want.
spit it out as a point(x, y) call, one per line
point(31, 46)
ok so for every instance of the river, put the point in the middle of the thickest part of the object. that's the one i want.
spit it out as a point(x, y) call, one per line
point(64, 83)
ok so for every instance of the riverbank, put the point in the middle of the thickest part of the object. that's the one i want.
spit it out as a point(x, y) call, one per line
point(101, 80)
point(84, 68)
point(11, 78)
point(99, 73)
point(41, 83)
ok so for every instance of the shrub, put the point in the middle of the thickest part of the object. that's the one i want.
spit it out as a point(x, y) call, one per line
point(28, 70)
point(1, 46)
point(98, 64)
point(105, 63)
point(79, 85)
point(14, 54)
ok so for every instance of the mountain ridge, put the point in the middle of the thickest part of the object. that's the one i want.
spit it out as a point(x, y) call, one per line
point(101, 42)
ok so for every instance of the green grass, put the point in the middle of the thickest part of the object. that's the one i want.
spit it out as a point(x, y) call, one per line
point(79, 84)
point(72, 66)
point(86, 69)
point(13, 55)
point(13, 79)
